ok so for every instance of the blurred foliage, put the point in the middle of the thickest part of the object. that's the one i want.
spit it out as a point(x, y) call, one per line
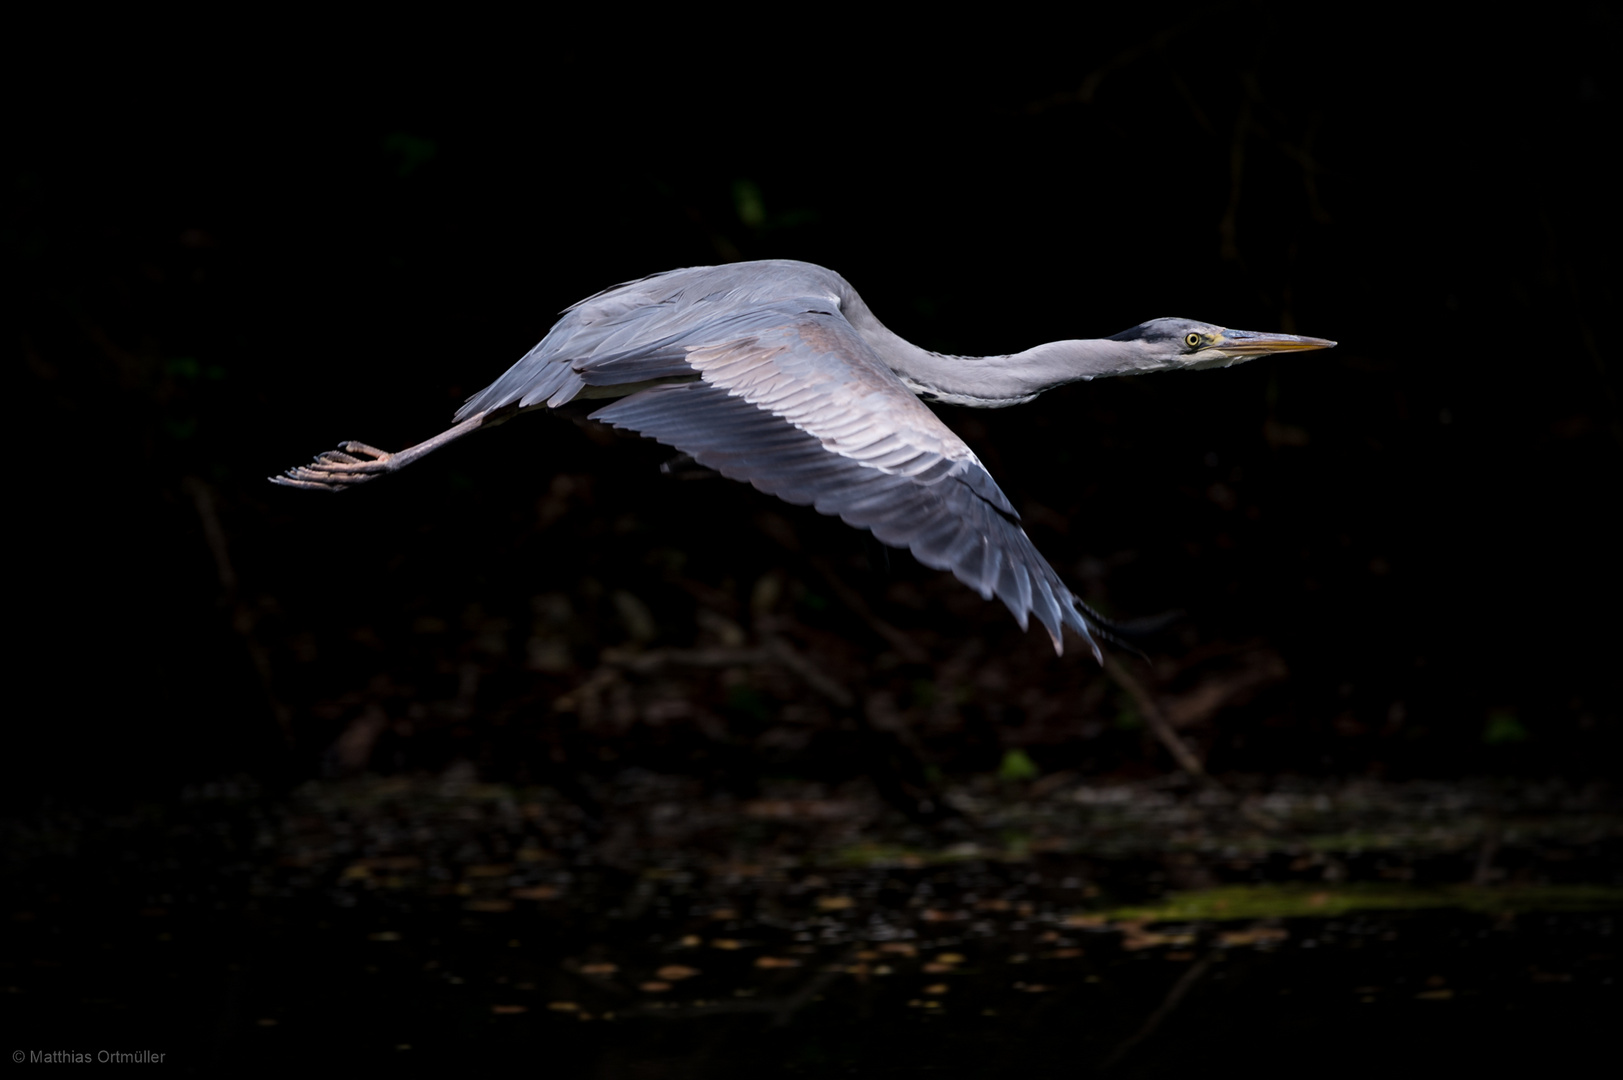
point(1017, 766)
point(1502, 728)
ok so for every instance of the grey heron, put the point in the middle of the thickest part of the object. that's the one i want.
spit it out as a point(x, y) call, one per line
point(776, 373)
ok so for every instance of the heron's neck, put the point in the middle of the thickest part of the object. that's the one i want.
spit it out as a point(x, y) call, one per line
point(991, 382)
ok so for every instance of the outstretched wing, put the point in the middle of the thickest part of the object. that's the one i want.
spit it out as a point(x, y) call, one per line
point(789, 397)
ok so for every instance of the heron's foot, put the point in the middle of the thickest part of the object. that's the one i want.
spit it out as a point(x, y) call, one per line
point(352, 463)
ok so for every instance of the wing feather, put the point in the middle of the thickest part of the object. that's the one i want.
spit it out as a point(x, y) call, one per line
point(947, 524)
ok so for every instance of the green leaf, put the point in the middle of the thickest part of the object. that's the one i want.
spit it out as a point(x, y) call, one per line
point(1017, 765)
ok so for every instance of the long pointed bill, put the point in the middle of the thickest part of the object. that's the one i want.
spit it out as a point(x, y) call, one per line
point(1248, 344)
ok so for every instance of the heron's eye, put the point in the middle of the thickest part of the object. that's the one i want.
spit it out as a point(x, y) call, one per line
point(1193, 340)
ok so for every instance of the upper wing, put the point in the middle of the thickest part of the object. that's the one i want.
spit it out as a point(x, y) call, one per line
point(790, 398)
point(642, 329)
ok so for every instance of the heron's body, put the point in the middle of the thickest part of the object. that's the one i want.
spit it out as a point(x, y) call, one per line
point(776, 373)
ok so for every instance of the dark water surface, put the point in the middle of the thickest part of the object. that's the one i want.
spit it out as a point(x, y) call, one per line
point(1055, 928)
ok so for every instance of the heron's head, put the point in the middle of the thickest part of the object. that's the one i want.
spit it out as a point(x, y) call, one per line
point(1184, 343)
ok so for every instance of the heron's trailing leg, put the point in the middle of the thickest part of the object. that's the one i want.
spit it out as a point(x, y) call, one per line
point(356, 463)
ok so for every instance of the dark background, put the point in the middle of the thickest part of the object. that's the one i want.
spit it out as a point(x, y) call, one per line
point(230, 249)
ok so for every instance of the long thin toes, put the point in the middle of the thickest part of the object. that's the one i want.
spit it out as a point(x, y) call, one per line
point(327, 477)
point(334, 470)
point(288, 481)
point(338, 462)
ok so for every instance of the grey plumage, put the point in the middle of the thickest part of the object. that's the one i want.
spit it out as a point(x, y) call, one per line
point(777, 374)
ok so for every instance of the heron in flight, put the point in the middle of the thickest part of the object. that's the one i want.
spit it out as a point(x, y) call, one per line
point(777, 374)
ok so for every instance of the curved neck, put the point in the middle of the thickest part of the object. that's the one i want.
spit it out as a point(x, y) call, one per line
point(991, 382)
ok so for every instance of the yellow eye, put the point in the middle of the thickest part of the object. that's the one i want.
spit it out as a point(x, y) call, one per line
point(1193, 340)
